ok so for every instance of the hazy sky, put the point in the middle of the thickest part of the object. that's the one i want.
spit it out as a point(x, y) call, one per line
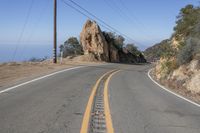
point(146, 21)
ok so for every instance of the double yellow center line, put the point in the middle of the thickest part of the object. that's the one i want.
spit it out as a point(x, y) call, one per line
point(86, 117)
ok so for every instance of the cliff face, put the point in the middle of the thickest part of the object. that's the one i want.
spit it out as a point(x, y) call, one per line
point(101, 45)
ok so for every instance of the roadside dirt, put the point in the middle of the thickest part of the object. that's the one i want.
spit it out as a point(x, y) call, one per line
point(17, 72)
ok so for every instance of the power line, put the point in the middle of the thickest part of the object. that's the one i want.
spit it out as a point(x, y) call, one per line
point(104, 24)
point(114, 6)
point(118, 9)
point(135, 18)
point(79, 11)
point(99, 19)
point(23, 29)
point(35, 26)
point(92, 15)
point(110, 5)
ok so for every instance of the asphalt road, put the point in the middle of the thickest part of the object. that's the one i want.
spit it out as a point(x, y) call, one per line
point(56, 104)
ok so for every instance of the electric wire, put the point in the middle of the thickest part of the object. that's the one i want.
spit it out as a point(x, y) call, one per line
point(35, 26)
point(95, 18)
point(122, 15)
point(127, 18)
point(134, 16)
point(23, 30)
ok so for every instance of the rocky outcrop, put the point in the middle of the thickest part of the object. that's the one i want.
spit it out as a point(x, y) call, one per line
point(193, 84)
point(102, 46)
point(93, 41)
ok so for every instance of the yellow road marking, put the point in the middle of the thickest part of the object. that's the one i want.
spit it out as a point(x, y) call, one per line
point(86, 117)
point(109, 124)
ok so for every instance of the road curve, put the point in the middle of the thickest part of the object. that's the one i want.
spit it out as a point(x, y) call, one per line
point(57, 104)
point(140, 106)
point(52, 105)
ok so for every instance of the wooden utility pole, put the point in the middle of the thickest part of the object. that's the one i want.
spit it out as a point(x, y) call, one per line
point(55, 33)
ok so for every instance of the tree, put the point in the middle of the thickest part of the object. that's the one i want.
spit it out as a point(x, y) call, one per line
point(115, 40)
point(72, 41)
point(132, 49)
point(189, 51)
point(119, 41)
point(186, 20)
point(71, 47)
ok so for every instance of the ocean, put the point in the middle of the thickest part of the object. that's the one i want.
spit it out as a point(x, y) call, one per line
point(24, 52)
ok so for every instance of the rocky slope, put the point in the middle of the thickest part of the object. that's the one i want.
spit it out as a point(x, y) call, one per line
point(179, 64)
point(155, 52)
point(106, 46)
point(185, 76)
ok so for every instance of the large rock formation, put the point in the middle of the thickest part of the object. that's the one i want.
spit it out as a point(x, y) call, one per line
point(100, 45)
point(94, 42)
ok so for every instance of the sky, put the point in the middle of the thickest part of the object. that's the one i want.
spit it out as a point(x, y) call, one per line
point(30, 22)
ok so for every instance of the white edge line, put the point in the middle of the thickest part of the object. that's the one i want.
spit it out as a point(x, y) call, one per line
point(194, 103)
point(13, 87)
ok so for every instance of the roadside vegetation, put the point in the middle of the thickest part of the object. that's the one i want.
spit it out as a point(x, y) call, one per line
point(187, 36)
point(71, 47)
point(178, 58)
point(118, 42)
point(34, 59)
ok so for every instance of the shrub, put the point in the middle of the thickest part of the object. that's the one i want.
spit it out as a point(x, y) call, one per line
point(116, 40)
point(189, 51)
point(133, 49)
point(71, 47)
point(168, 51)
point(34, 59)
point(185, 54)
point(169, 66)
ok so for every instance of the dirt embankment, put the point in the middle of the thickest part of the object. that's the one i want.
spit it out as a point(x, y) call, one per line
point(14, 73)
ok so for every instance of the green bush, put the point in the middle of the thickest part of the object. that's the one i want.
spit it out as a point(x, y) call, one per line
point(34, 59)
point(185, 54)
point(168, 51)
point(189, 51)
point(71, 47)
point(187, 19)
point(169, 66)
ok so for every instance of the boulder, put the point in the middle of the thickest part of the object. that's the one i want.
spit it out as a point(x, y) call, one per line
point(193, 84)
point(93, 41)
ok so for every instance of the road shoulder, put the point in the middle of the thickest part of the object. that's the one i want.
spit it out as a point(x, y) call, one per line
point(12, 74)
point(177, 94)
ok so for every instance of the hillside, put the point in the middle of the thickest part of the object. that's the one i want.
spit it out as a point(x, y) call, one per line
point(179, 63)
point(156, 51)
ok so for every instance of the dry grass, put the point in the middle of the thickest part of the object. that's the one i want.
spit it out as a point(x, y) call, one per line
point(13, 73)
